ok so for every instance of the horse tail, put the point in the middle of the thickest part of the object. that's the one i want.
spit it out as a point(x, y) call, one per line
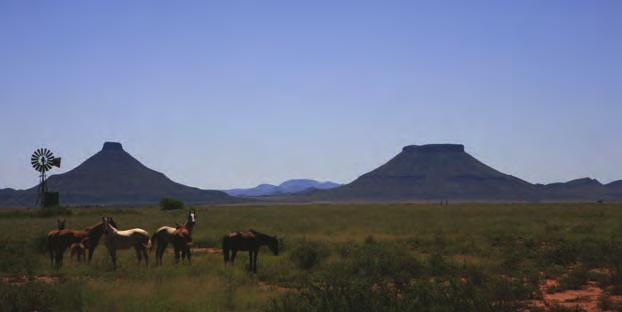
point(225, 248)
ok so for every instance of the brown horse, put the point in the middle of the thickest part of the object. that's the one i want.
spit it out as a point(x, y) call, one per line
point(60, 225)
point(248, 241)
point(181, 244)
point(180, 236)
point(63, 239)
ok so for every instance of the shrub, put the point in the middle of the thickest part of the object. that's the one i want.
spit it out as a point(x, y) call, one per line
point(308, 254)
point(575, 279)
point(169, 203)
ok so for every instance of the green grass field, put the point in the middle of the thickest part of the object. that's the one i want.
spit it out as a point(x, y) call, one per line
point(358, 257)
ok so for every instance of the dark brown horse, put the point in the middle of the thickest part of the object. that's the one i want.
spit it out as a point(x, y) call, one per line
point(60, 225)
point(248, 241)
point(180, 236)
point(63, 239)
point(181, 243)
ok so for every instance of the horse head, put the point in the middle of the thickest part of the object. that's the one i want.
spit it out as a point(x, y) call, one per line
point(273, 244)
point(111, 221)
point(60, 224)
point(192, 218)
point(108, 227)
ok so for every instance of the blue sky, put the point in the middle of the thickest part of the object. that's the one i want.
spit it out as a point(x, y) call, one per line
point(236, 93)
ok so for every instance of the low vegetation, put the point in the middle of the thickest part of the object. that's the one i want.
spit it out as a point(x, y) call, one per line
point(372, 257)
point(168, 203)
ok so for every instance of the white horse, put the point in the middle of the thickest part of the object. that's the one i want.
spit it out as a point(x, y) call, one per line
point(115, 239)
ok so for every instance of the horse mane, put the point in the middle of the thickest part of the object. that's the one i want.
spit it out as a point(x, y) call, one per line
point(262, 236)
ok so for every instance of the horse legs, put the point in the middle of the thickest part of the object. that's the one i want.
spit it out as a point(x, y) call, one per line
point(52, 256)
point(177, 254)
point(138, 253)
point(60, 251)
point(189, 254)
point(233, 253)
point(250, 260)
point(146, 256)
point(160, 251)
point(51, 251)
point(254, 257)
point(113, 256)
point(58, 258)
point(91, 251)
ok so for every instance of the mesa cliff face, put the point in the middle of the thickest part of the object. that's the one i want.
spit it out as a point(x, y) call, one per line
point(433, 172)
point(446, 172)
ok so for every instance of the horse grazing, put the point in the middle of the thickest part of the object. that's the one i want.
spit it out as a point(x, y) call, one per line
point(60, 225)
point(180, 236)
point(115, 239)
point(248, 241)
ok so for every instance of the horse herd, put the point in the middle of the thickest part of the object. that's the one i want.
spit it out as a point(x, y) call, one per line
point(82, 241)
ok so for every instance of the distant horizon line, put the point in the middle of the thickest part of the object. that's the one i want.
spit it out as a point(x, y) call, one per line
point(116, 145)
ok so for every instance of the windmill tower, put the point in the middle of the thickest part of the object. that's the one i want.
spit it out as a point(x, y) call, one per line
point(43, 160)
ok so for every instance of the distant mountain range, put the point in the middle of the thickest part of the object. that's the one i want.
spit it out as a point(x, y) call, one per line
point(418, 173)
point(288, 187)
point(110, 177)
point(446, 172)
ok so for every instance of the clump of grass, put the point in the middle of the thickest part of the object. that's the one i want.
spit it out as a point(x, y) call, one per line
point(308, 254)
point(38, 296)
point(574, 279)
point(17, 257)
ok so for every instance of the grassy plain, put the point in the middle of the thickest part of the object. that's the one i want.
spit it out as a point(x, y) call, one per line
point(335, 257)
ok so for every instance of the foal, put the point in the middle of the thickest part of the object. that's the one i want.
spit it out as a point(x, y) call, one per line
point(248, 241)
point(59, 242)
point(115, 239)
point(78, 250)
point(180, 236)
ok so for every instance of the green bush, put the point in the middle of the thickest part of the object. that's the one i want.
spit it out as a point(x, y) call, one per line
point(169, 203)
point(308, 254)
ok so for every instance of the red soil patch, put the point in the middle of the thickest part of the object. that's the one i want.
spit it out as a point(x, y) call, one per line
point(266, 286)
point(586, 298)
point(24, 279)
point(200, 250)
point(207, 250)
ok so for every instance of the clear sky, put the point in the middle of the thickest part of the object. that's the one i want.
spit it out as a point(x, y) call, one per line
point(236, 93)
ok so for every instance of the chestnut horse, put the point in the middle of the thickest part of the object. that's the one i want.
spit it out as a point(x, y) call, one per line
point(180, 236)
point(115, 239)
point(63, 239)
point(248, 241)
point(60, 225)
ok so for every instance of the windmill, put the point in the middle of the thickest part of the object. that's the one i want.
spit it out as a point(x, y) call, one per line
point(43, 160)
